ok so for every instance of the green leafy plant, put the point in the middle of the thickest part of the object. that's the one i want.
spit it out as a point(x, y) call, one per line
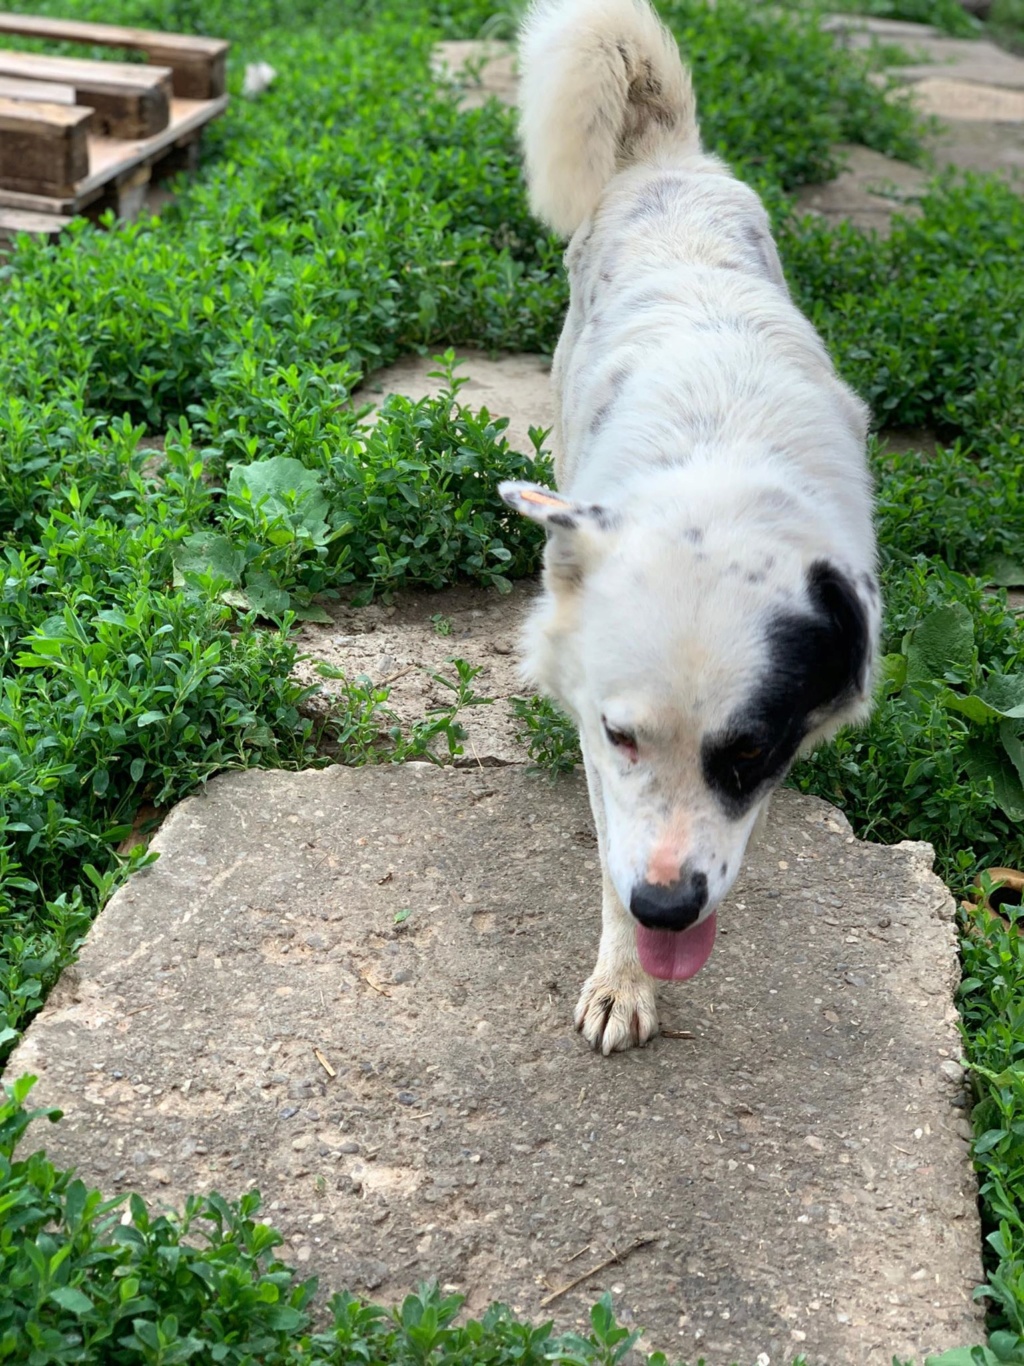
point(549, 736)
point(938, 661)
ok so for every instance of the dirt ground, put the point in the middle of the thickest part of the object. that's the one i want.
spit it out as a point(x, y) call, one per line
point(403, 644)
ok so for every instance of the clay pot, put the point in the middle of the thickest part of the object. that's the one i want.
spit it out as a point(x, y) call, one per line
point(1010, 893)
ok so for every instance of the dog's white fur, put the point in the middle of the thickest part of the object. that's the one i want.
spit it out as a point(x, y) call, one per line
point(707, 457)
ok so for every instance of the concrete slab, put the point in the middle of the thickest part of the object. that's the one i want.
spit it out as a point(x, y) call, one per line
point(964, 101)
point(516, 385)
point(981, 146)
point(354, 989)
point(862, 29)
point(868, 191)
point(967, 59)
point(481, 69)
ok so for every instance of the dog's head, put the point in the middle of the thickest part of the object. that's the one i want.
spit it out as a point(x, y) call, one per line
point(697, 661)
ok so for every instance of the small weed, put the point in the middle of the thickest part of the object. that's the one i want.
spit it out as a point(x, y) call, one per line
point(364, 729)
point(442, 625)
point(550, 737)
point(441, 722)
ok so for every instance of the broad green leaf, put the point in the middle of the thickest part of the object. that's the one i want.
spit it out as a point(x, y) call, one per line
point(989, 1140)
point(1004, 693)
point(892, 672)
point(283, 487)
point(265, 596)
point(1013, 743)
point(1007, 1347)
point(1004, 571)
point(985, 758)
point(964, 1356)
point(208, 552)
point(969, 704)
point(284, 1319)
point(942, 644)
point(72, 1300)
point(313, 612)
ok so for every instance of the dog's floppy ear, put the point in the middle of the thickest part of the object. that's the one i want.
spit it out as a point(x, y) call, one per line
point(552, 510)
point(843, 613)
point(575, 530)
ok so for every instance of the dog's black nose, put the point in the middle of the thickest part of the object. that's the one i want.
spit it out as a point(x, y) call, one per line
point(671, 907)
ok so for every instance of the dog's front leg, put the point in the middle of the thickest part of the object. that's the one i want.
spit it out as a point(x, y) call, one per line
point(617, 1007)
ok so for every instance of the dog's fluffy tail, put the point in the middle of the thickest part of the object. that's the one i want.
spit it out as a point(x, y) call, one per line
point(602, 88)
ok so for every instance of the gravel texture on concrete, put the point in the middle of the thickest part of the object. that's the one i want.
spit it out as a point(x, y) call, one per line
point(353, 989)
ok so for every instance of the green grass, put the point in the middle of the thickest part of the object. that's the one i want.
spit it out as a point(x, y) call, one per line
point(351, 215)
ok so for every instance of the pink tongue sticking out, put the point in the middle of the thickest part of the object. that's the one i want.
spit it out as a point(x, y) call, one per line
point(675, 955)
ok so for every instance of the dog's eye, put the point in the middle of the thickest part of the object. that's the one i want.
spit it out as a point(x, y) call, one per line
point(621, 739)
point(747, 756)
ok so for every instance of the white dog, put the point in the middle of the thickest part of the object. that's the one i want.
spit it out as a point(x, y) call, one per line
point(710, 608)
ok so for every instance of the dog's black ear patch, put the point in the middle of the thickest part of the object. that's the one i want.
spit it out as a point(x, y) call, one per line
point(817, 661)
point(845, 657)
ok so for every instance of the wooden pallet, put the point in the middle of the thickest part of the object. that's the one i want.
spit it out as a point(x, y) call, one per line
point(84, 136)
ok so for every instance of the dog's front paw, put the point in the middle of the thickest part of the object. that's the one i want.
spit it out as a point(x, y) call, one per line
point(618, 1011)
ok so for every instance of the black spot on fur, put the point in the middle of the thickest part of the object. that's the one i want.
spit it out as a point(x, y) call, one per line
point(816, 662)
point(764, 252)
point(615, 386)
point(600, 418)
point(656, 197)
point(755, 576)
point(723, 869)
point(694, 535)
point(562, 519)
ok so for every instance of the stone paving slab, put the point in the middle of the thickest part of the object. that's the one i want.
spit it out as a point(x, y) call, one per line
point(963, 101)
point(483, 69)
point(868, 191)
point(795, 1145)
point(516, 385)
point(981, 146)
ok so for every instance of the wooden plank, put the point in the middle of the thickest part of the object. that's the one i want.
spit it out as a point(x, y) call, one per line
point(130, 100)
point(13, 221)
point(198, 64)
point(43, 147)
point(126, 194)
point(11, 88)
point(110, 158)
